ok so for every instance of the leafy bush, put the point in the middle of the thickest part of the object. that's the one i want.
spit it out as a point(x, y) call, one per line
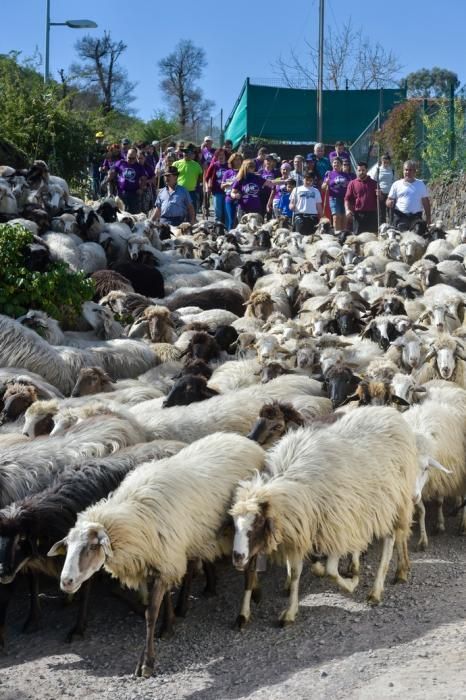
point(437, 141)
point(398, 134)
point(59, 291)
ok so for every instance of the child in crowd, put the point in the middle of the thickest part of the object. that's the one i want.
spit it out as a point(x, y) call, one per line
point(283, 205)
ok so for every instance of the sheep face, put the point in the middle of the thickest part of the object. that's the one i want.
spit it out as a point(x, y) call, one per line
point(15, 551)
point(92, 380)
point(16, 405)
point(273, 422)
point(87, 546)
point(404, 386)
point(188, 389)
point(446, 362)
point(252, 533)
point(340, 383)
point(410, 350)
point(36, 424)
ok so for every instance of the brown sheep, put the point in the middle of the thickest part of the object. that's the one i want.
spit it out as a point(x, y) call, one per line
point(259, 305)
point(106, 281)
point(16, 399)
point(92, 380)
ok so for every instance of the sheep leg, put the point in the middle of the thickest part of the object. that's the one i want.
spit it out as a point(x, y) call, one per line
point(6, 594)
point(355, 566)
point(440, 518)
point(210, 579)
point(346, 584)
point(183, 596)
point(81, 622)
point(156, 590)
point(250, 583)
point(375, 596)
point(421, 514)
point(462, 519)
point(166, 628)
point(403, 564)
point(288, 616)
point(33, 622)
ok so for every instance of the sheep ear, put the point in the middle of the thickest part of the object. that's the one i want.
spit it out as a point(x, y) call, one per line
point(58, 549)
point(353, 397)
point(433, 464)
point(104, 541)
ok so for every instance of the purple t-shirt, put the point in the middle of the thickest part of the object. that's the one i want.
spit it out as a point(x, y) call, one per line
point(128, 175)
point(268, 174)
point(278, 191)
point(337, 183)
point(250, 188)
point(229, 176)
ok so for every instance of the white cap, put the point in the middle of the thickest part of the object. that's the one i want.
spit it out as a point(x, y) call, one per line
point(207, 138)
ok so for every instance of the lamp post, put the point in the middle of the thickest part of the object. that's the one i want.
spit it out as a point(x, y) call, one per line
point(72, 23)
point(320, 77)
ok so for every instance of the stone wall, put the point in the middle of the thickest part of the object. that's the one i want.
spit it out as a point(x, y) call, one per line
point(449, 201)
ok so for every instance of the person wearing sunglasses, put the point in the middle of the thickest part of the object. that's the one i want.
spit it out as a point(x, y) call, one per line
point(173, 205)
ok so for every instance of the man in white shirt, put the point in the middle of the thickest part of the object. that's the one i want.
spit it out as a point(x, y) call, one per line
point(306, 205)
point(384, 175)
point(408, 197)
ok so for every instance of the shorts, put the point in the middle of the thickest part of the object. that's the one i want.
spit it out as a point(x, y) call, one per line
point(337, 205)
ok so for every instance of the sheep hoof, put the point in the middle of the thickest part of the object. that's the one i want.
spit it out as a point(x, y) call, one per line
point(440, 527)
point(145, 669)
point(241, 622)
point(256, 595)
point(422, 544)
point(401, 576)
point(286, 618)
point(373, 598)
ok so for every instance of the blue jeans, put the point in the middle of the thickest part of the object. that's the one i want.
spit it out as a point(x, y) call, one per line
point(230, 213)
point(219, 207)
point(194, 200)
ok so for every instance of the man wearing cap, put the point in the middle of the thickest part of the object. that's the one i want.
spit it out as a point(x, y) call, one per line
point(125, 144)
point(96, 158)
point(408, 198)
point(189, 173)
point(361, 201)
point(173, 205)
point(339, 152)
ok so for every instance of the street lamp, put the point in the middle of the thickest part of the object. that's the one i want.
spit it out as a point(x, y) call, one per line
point(72, 23)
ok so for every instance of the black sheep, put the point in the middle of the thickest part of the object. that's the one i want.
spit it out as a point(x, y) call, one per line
point(145, 279)
point(205, 299)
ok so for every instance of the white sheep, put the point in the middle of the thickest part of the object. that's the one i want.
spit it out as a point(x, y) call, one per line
point(161, 516)
point(320, 498)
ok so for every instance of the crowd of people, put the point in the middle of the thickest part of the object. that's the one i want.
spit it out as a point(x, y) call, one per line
point(180, 181)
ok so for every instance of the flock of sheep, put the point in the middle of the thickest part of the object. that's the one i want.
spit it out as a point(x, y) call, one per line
point(255, 394)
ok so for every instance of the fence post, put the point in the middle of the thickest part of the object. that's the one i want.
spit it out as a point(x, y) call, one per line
point(452, 123)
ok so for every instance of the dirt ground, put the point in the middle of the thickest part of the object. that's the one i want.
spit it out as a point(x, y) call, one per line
point(413, 645)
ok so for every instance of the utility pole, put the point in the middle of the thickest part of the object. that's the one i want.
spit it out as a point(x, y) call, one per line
point(320, 79)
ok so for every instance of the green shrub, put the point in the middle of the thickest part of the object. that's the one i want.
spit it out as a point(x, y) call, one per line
point(59, 291)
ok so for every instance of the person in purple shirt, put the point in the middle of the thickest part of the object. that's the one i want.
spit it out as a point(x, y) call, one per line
point(339, 152)
point(207, 152)
point(247, 189)
point(229, 176)
point(259, 159)
point(130, 177)
point(267, 172)
point(279, 189)
point(334, 184)
point(213, 181)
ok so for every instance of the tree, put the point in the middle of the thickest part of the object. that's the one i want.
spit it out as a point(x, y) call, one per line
point(180, 72)
point(398, 133)
point(100, 73)
point(438, 140)
point(431, 82)
point(350, 59)
point(159, 128)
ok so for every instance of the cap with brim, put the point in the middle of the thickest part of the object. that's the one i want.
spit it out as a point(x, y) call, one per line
point(125, 141)
point(154, 143)
point(207, 138)
point(311, 156)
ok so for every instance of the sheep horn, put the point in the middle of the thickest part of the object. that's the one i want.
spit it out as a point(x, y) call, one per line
point(430, 354)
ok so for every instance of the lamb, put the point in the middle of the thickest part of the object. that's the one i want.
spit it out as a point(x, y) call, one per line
point(234, 411)
point(259, 306)
point(30, 526)
point(141, 529)
point(156, 324)
point(318, 498)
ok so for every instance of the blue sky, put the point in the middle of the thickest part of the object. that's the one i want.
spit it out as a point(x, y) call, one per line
point(240, 39)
